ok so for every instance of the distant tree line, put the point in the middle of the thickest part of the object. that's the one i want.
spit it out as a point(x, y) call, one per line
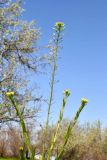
point(88, 142)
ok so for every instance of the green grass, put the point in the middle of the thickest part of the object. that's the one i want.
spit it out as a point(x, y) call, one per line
point(8, 159)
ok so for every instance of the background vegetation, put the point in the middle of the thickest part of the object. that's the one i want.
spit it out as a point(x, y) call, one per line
point(89, 141)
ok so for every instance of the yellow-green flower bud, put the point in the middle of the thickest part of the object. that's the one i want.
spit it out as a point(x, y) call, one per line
point(9, 94)
point(67, 92)
point(59, 25)
point(21, 148)
point(84, 101)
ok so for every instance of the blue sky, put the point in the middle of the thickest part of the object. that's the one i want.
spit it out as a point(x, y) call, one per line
point(83, 64)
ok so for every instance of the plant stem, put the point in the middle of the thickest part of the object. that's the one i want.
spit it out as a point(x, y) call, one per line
point(52, 78)
point(70, 129)
point(59, 27)
point(55, 50)
point(57, 128)
point(24, 130)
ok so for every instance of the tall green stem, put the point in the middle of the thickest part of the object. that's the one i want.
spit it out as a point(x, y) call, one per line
point(51, 86)
point(67, 93)
point(24, 130)
point(52, 78)
point(59, 26)
point(70, 128)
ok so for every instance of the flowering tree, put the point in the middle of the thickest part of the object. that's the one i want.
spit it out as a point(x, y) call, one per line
point(17, 57)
